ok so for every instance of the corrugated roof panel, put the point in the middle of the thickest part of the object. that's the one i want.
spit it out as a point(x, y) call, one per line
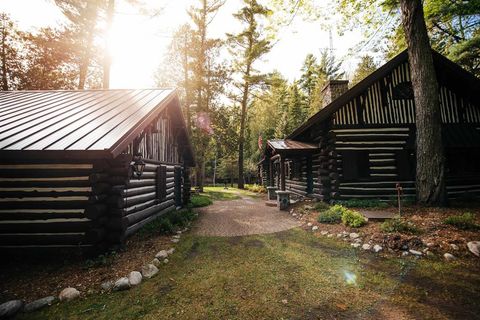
point(73, 120)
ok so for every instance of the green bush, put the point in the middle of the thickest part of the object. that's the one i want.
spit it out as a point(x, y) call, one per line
point(352, 218)
point(197, 200)
point(398, 225)
point(332, 215)
point(255, 188)
point(363, 203)
point(168, 223)
point(321, 206)
point(464, 221)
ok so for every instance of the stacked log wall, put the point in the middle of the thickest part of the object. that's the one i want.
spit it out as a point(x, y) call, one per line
point(297, 184)
point(51, 204)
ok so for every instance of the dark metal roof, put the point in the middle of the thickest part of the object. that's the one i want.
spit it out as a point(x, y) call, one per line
point(448, 72)
point(287, 144)
point(86, 120)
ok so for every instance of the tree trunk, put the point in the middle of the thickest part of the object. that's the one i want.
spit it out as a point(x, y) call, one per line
point(241, 139)
point(430, 176)
point(4, 61)
point(107, 59)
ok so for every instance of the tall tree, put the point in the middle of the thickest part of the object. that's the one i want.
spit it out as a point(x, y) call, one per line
point(430, 177)
point(107, 57)
point(10, 51)
point(366, 66)
point(249, 45)
point(296, 108)
point(83, 16)
point(308, 79)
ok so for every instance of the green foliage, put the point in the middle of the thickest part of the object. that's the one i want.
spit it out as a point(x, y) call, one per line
point(198, 200)
point(321, 206)
point(168, 223)
point(399, 225)
point(352, 218)
point(464, 221)
point(332, 215)
point(255, 188)
point(363, 203)
point(366, 66)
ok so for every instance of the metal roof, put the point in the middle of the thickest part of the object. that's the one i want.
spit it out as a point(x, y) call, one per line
point(287, 144)
point(83, 120)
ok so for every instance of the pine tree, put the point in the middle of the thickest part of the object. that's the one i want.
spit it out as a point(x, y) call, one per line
point(249, 45)
point(10, 51)
point(366, 66)
point(296, 112)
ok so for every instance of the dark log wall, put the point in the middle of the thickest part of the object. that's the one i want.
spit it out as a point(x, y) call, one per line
point(375, 139)
point(50, 204)
point(296, 177)
point(92, 204)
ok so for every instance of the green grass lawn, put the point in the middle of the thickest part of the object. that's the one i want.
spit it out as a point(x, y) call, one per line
point(220, 194)
point(288, 275)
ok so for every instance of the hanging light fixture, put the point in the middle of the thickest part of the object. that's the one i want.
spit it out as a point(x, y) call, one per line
point(138, 165)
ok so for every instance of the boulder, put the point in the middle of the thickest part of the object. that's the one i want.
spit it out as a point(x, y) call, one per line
point(68, 294)
point(415, 252)
point(404, 253)
point(165, 260)
point(149, 271)
point(377, 248)
point(171, 251)
point(474, 247)
point(121, 284)
point(162, 254)
point(354, 235)
point(10, 308)
point(314, 228)
point(309, 224)
point(355, 245)
point(156, 262)
point(39, 304)
point(454, 246)
point(449, 256)
point(175, 240)
point(324, 233)
point(366, 246)
point(135, 278)
point(107, 286)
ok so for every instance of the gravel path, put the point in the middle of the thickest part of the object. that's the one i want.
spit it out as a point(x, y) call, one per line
point(242, 217)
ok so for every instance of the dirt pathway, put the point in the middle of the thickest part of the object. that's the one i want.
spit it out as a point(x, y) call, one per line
point(242, 217)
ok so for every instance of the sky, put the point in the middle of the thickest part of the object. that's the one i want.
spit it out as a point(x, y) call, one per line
point(138, 43)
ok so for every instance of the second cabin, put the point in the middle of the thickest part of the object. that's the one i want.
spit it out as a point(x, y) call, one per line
point(362, 143)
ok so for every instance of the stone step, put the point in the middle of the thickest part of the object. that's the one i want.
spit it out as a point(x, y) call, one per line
point(271, 203)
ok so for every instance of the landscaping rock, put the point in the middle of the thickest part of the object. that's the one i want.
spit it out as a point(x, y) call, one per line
point(415, 252)
point(309, 224)
point(156, 262)
point(38, 304)
point(430, 254)
point(358, 240)
point(404, 253)
point(149, 271)
point(366, 246)
point(339, 235)
point(430, 244)
point(355, 245)
point(377, 248)
point(330, 235)
point(121, 284)
point(170, 251)
point(165, 260)
point(68, 294)
point(354, 235)
point(162, 254)
point(107, 286)
point(454, 246)
point(449, 256)
point(324, 233)
point(307, 207)
point(314, 228)
point(474, 247)
point(175, 240)
point(135, 278)
point(177, 236)
point(10, 308)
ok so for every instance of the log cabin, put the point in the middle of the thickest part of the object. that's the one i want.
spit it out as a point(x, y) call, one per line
point(86, 169)
point(362, 142)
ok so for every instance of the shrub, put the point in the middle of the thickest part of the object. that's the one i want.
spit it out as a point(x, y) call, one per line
point(321, 206)
point(352, 218)
point(255, 188)
point(364, 203)
point(464, 221)
point(197, 201)
point(398, 225)
point(332, 215)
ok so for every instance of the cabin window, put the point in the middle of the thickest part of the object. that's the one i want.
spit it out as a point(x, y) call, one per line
point(355, 165)
point(463, 162)
point(161, 182)
point(297, 169)
point(403, 90)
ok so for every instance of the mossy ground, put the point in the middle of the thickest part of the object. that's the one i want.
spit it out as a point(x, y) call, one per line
point(287, 275)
